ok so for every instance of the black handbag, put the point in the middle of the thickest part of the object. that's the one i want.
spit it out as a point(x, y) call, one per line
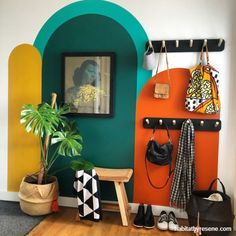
point(214, 217)
point(159, 154)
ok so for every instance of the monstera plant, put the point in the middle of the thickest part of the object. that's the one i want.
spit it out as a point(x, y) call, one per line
point(58, 137)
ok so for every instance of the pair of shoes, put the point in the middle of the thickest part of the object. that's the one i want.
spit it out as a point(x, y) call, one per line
point(142, 219)
point(167, 221)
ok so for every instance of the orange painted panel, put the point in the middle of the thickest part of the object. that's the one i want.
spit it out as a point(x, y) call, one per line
point(206, 142)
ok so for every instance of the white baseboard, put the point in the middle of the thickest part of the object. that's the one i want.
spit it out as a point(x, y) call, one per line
point(67, 202)
point(72, 202)
point(9, 196)
point(157, 210)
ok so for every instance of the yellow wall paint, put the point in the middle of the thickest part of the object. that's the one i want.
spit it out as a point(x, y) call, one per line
point(24, 87)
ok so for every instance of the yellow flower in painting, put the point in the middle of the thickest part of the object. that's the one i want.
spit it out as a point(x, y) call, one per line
point(87, 93)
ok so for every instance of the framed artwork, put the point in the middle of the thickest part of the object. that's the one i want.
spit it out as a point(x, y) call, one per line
point(87, 82)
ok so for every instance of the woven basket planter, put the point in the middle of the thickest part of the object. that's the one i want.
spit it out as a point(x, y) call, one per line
point(37, 199)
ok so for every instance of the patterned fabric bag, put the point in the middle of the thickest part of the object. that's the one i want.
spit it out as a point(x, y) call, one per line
point(202, 93)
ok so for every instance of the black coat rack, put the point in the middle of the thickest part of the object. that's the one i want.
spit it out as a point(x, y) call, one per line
point(190, 45)
point(176, 123)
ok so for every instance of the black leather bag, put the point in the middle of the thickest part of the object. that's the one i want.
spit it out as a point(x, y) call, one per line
point(159, 154)
point(212, 214)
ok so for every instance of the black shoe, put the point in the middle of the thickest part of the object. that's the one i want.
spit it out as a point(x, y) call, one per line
point(149, 218)
point(139, 218)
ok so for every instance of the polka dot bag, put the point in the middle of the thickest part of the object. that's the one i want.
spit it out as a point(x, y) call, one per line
point(202, 93)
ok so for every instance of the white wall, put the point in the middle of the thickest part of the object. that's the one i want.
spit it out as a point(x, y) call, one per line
point(232, 106)
point(20, 22)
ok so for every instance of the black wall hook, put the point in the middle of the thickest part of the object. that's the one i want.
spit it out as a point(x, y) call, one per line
point(175, 124)
point(189, 45)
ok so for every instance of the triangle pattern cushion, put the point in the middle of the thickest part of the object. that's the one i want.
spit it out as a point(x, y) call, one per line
point(87, 189)
point(86, 194)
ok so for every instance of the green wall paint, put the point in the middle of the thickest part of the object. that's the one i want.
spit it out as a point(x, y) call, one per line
point(111, 10)
point(108, 142)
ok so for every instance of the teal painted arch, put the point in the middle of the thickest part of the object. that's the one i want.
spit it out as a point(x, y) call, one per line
point(104, 8)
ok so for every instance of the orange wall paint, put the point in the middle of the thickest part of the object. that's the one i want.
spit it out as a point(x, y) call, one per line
point(206, 142)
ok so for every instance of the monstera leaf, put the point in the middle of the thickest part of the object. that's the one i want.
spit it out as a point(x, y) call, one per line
point(69, 143)
point(42, 120)
point(81, 164)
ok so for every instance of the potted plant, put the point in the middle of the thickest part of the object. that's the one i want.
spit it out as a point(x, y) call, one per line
point(39, 192)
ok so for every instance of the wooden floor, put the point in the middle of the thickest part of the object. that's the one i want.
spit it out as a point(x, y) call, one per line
point(64, 224)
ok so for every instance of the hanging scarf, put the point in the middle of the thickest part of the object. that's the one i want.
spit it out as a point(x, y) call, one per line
point(184, 175)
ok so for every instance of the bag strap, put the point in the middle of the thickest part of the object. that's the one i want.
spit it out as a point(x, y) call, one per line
point(222, 185)
point(170, 170)
point(202, 52)
point(210, 202)
point(150, 181)
point(167, 130)
point(150, 48)
point(167, 65)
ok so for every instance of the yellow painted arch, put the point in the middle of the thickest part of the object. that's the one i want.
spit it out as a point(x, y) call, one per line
point(24, 87)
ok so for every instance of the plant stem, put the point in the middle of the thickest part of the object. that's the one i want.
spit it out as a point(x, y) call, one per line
point(53, 159)
point(64, 168)
point(42, 174)
point(41, 148)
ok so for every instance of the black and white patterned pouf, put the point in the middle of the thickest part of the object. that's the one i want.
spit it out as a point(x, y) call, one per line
point(87, 187)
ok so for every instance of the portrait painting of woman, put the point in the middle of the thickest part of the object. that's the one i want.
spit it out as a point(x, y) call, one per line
point(88, 83)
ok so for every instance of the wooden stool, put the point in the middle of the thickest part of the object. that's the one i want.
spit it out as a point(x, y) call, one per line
point(119, 177)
